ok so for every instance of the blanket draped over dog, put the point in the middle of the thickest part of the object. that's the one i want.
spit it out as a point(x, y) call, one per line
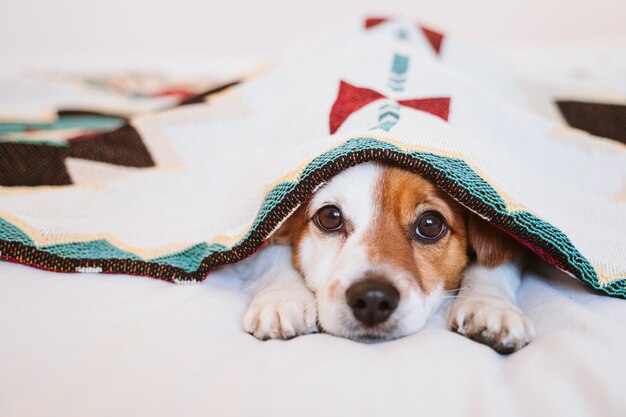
point(175, 194)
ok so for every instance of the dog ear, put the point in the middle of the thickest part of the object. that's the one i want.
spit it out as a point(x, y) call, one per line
point(287, 232)
point(491, 246)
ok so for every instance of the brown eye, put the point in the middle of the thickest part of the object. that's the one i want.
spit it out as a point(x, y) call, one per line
point(329, 219)
point(430, 226)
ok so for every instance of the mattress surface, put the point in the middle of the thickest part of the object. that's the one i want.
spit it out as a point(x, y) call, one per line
point(76, 345)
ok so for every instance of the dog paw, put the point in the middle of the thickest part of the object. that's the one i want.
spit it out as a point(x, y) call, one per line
point(492, 321)
point(281, 314)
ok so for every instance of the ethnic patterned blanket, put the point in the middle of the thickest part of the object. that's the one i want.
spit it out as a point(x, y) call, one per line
point(175, 194)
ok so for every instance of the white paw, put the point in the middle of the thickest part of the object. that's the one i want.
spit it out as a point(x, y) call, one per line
point(493, 321)
point(281, 313)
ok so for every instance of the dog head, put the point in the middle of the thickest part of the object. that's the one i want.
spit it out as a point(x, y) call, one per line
point(380, 246)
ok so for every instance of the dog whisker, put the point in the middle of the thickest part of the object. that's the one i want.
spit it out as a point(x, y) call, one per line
point(452, 291)
point(369, 292)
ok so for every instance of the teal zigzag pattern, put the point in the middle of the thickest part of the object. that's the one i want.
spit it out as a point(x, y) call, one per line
point(468, 184)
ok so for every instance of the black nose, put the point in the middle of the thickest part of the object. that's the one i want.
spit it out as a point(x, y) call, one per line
point(372, 301)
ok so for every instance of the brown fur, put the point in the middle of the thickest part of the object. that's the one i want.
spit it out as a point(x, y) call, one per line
point(291, 232)
point(285, 233)
point(491, 246)
point(401, 196)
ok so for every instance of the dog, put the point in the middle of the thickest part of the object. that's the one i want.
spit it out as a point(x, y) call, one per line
point(373, 253)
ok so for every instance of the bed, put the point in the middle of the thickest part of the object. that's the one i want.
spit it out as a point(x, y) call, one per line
point(75, 345)
point(102, 345)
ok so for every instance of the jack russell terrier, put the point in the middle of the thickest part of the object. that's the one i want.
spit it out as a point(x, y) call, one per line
point(373, 254)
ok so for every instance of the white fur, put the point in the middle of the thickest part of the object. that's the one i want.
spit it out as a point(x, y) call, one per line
point(486, 308)
point(282, 307)
point(334, 260)
point(286, 304)
point(325, 259)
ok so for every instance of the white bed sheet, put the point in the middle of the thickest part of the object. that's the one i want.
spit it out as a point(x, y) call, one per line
point(95, 345)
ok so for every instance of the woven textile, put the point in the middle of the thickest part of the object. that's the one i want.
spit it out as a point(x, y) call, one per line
point(176, 194)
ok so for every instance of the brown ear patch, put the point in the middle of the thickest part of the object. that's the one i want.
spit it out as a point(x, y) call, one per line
point(491, 246)
point(289, 231)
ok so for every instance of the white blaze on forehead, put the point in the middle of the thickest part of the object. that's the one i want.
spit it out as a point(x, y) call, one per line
point(331, 263)
point(353, 191)
point(335, 258)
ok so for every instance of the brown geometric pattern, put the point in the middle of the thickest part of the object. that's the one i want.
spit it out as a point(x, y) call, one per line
point(25, 164)
point(31, 165)
point(599, 119)
point(119, 147)
point(200, 98)
point(37, 164)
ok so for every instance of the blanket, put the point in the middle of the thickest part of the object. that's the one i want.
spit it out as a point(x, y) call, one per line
point(175, 194)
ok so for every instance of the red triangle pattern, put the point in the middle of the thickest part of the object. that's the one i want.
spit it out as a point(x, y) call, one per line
point(438, 106)
point(370, 22)
point(351, 98)
point(434, 38)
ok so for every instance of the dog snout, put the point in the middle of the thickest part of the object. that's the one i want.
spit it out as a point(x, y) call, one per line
point(372, 301)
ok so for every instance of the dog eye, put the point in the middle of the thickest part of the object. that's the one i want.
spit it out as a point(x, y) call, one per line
point(329, 218)
point(430, 226)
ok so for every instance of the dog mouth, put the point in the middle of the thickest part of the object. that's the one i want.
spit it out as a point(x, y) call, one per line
point(363, 334)
point(371, 338)
point(364, 337)
point(343, 323)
